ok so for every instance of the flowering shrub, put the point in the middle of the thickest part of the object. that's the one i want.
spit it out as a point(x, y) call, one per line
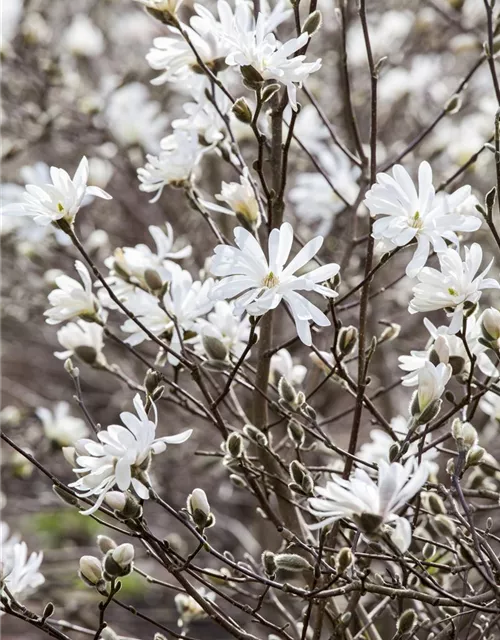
point(287, 255)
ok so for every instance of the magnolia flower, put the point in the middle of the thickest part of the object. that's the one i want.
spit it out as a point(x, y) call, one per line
point(83, 37)
point(72, 300)
point(240, 196)
point(203, 119)
point(173, 166)
point(408, 215)
point(448, 349)
point(184, 303)
point(378, 448)
point(83, 339)
point(21, 573)
point(282, 366)
point(189, 609)
point(259, 286)
point(167, 6)
point(370, 504)
point(432, 381)
point(60, 200)
point(133, 118)
point(490, 327)
point(121, 457)
point(222, 324)
point(60, 426)
point(140, 266)
point(455, 288)
point(490, 404)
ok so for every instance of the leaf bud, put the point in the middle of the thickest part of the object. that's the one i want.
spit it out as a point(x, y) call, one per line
point(269, 563)
point(344, 560)
point(255, 435)
point(312, 22)
point(234, 445)
point(407, 621)
point(291, 562)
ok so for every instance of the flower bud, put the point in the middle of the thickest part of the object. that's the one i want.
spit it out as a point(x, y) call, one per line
point(296, 433)
point(312, 23)
point(153, 280)
point(436, 504)
point(344, 560)
point(390, 333)
point(269, 563)
point(407, 621)
point(242, 111)
point(90, 570)
point(269, 91)
point(214, 348)
point(234, 444)
point(347, 339)
point(291, 562)
point(65, 496)
point(445, 526)
point(105, 544)
point(453, 105)
point(429, 551)
point(124, 503)
point(116, 500)
point(123, 555)
point(251, 78)
point(108, 634)
point(255, 435)
point(199, 509)
point(369, 523)
point(490, 326)
point(474, 456)
point(152, 380)
point(287, 392)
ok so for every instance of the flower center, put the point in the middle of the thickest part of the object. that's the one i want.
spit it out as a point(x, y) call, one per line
point(270, 281)
point(60, 207)
point(452, 291)
point(416, 222)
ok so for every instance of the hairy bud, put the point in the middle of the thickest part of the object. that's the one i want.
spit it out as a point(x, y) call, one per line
point(347, 339)
point(152, 380)
point(291, 562)
point(214, 348)
point(255, 435)
point(296, 433)
point(105, 543)
point(429, 551)
point(269, 563)
point(445, 525)
point(407, 621)
point(312, 23)
point(199, 509)
point(344, 560)
point(90, 570)
point(234, 445)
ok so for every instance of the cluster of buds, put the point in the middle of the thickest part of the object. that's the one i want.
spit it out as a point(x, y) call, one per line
point(189, 609)
point(273, 562)
point(294, 400)
point(490, 329)
point(118, 562)
point(302, 480)
point(152, 385)
point(255, 435)
point(199, 509)
point(466, 440)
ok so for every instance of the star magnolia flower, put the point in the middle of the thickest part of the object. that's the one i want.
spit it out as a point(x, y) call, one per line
point(60, 200)
point(456, 288)
point(185, 301)
point(432, 381)
point(448, 349)
point(173, 166)
point(222, 324)
point(368, 503)
point(121, 457)
point(21, 573)
point(408, 215)
point(378, 448)
point(71, 299)
point(282, 366)
point(188, 608)
point(60, 426)
point(260, 286)
point(83, 339)
point(240, 196)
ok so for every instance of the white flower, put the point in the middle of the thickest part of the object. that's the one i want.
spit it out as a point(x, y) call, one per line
point(259, 286)
point(60, 426)
point(83, 339)
point(314, 199)
point(409, 215)
point(490, 404)
point(133, 118)
point(71, 299)
point(449, 349)
point(83, 37)
point(490, 326)
point(240, 196)
point(121, 457)
point(432, 381)
point(173, 166)
point(456, 288)
point(282, 366)
point(203, 120)
point(365, 501)
point(185, 302)
point(222, 324)
point(168, 6)
point(377, 449)
point(189, 609)
point(258, 47)
point(60, 200)
point(21, 573)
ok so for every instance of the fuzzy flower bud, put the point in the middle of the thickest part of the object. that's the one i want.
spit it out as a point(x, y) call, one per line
point(490, 327)
point(291, 562)
point(255, 435)
point(347, 339)
point(344, 560)
point(234, 445)
point(214, 348)
point(199, 509)
point(242, 111)
point(90, 570)
point(105, 544)
point(407, 621)
point(269, 563)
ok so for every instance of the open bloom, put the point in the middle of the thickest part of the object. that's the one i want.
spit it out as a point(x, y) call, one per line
point(259, 286)
point(121, 457)
point(60, 426)
point(83, 339)
point(456, 288)
point(71, 299)
point(403, 214)
point(21, 573)
point(222, 324)
point(368, 503)
point(60, 200)
point(242, 202)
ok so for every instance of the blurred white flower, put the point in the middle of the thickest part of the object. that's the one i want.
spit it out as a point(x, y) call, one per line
point(12, 12)
point(72, 300)
point(282, 366)
point(121, 457)
point(456, 288)
point(259, 286)
point(407, 215)
point(314, 199)
point(60, 426)
point(173, 166)
point(490, 404)
point(21, 573)
point(83, 37)
point(83, 339)
point(133, 118)
point(377, 449)
point(189, 610)
point(368, 503)
point(60, 200)
point(204, 120)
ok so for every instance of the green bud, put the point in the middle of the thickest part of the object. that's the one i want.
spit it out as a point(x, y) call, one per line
point(453, 105)
point(251, 77)
point(255, 435)
point(291, 562)
point(234, 445)
point(407, 621)
point(445, 525)
point(269, 563)
point(429, 551)
point(436, 504)
point(313, 22)
point(242, 111)
point(214, 348)
point(269, 91)
point(296, 433)
point(344, 560)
